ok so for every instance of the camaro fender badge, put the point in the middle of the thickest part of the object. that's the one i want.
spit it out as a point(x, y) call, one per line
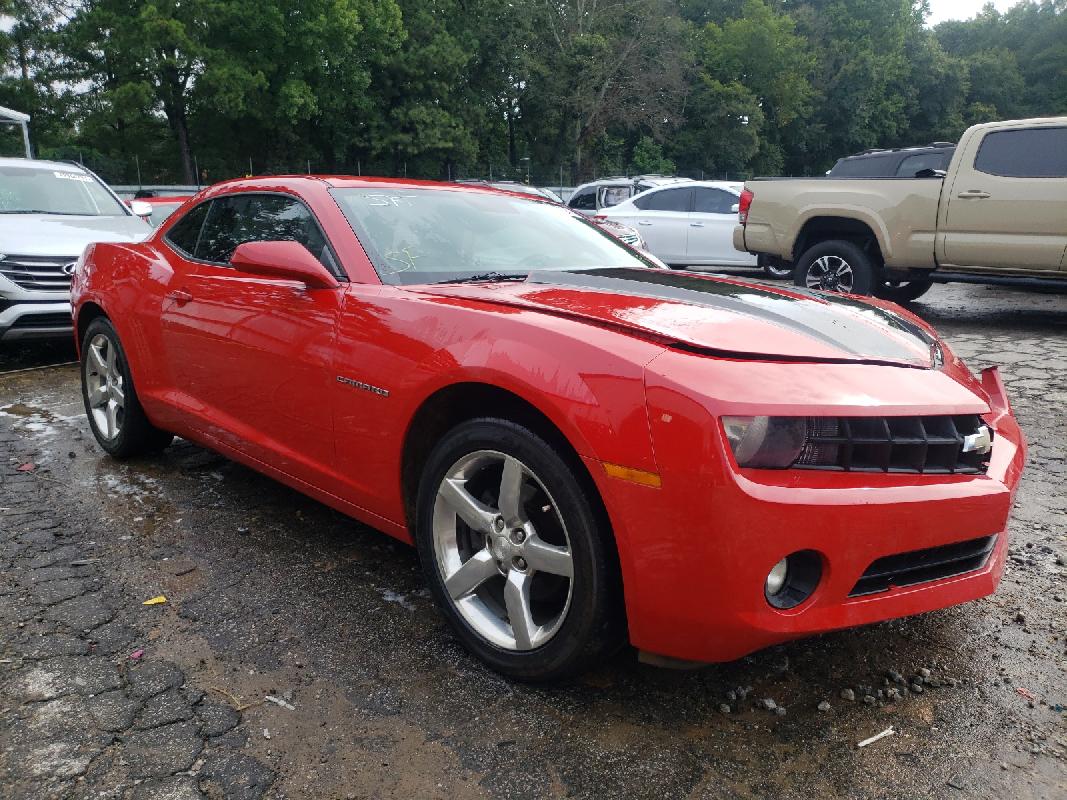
point(978, 442)
point(364, 386)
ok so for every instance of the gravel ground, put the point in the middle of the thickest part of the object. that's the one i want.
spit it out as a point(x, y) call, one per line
point(269, 593)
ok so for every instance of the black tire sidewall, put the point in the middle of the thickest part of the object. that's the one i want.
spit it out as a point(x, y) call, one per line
point(589, 629)
point(905, 293)
point(863, 267)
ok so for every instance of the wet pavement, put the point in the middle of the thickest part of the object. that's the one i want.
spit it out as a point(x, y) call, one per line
point(270, 593)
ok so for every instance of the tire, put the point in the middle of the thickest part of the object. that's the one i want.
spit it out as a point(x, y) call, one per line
point(483, 573)
point(825, 265)
point(115, 414)
point(779, 272)
point(902, 291)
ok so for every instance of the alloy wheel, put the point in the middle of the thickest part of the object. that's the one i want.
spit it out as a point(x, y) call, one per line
point(502, 550)
point(830, 273)
point(104, 386)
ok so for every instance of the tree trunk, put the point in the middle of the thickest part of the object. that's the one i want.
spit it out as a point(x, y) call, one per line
point(172, 93)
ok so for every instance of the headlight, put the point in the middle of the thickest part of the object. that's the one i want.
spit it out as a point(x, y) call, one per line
point(768, 442)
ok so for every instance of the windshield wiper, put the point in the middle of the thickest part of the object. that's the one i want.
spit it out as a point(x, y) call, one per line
point(486, 277)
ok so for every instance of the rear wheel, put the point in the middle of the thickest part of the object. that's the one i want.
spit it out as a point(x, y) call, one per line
point(902, 291)
point(835, 266)
point(115, 414)
point(516, 557)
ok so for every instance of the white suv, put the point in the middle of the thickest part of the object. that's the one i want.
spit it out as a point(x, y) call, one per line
point(49, 212)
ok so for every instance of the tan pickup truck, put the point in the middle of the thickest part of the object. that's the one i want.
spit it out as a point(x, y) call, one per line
point(998, 215)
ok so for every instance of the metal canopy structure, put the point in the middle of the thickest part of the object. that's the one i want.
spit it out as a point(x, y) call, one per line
point(11, 117)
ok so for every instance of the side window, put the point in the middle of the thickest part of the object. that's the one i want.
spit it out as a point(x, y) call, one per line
point(1031, 153)
point(713, 201)
point(666, 200)
point(916, 163)
point(260, 217)
point(613, 195)
point(186, 231)
point(584, 200)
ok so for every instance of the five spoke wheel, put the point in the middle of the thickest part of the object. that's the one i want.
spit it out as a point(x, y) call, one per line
point(503, 550)
point(104, 386)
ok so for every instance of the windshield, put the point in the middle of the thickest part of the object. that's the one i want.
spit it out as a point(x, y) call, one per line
point(55, 189)
point(433, 235)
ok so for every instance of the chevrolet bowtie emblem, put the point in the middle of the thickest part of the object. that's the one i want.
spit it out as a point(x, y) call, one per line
point(980, 442)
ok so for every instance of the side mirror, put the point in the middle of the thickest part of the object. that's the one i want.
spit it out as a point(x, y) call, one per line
point(140, 208)
point(288, 261)
point(735, 208)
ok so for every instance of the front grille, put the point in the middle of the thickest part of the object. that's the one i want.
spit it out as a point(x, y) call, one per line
point(57, 319)
point(927, 445)
point(922, 566)
point(38, 273)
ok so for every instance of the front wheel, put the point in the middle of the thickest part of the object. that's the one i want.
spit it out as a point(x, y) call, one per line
point(515, 555)
point(115, 414)
point(835, 266)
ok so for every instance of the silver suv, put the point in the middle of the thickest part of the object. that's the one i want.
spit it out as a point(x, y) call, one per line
point(49, 212)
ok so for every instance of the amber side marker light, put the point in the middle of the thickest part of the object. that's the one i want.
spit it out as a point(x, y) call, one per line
point(638, 476)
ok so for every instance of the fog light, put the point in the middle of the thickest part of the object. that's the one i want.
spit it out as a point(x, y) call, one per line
point(793, 579)
point(776, 577)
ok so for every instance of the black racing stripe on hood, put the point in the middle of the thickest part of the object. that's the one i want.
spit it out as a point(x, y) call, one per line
point(813, 315)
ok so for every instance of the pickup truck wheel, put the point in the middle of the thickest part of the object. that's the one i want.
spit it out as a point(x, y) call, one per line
point(835, 266)
point(515, 554)
point(902, 291)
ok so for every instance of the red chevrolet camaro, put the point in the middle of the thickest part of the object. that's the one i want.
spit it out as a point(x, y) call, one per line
point(582, 447)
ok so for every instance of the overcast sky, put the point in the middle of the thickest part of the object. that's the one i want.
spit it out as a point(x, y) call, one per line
point(940, 10)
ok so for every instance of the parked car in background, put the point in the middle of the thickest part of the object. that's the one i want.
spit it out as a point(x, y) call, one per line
point(590, 198)
point(999, 215)
point(901, 162)
point(49, 212)
point(163, 207)
point(582, 449)
point(686, 224)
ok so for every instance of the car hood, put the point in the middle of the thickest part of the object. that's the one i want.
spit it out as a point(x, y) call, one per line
point(717, 316)
point(61, 235)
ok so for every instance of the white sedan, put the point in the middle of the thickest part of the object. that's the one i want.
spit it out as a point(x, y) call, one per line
point(690, 224)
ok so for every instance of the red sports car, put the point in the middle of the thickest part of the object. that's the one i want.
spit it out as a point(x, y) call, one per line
point(581, 448)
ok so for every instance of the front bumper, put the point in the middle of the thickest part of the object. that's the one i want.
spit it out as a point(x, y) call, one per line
point(695, 552)
point(35, 320)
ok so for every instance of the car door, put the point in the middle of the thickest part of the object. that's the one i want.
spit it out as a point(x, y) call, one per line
point(662, 219)
point(251, 356)
point(1007, 205)
point(711, 229)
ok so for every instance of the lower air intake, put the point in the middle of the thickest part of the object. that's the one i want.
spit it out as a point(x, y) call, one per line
point(923, 566)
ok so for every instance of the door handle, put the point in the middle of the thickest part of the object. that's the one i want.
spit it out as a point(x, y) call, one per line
point(696, 224)
point(643, 222)
point(976, 194)
point(179, 296)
